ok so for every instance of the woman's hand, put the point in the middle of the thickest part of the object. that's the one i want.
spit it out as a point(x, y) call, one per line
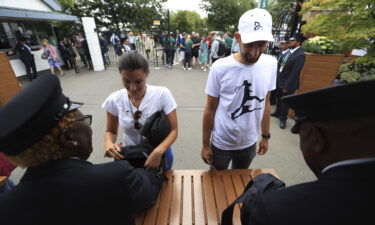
point(154, 159)
point(113, 151)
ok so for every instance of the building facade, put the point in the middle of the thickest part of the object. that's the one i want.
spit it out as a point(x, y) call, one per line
point(31, 19)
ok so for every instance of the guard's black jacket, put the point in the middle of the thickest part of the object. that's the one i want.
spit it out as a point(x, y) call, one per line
point(25, 54)
point(290, 75)
point(74, 191)
point(343, 195)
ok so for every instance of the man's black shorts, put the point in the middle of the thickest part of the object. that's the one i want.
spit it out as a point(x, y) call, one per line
point(195, 53)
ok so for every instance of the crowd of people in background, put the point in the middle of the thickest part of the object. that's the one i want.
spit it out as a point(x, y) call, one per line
point(187, 49)
point(190, 50)
point(63, 56)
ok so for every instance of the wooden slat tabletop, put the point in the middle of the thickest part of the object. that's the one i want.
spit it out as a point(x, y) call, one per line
point(3, 180)
point(198, 197)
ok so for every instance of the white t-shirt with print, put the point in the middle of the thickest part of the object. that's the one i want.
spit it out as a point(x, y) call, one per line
point(242, 91)
point(155, 99)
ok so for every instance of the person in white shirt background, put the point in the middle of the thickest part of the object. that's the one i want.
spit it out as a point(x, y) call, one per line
point(132, 40)
point(130, 107)
point(215, 48)
point(238, 91)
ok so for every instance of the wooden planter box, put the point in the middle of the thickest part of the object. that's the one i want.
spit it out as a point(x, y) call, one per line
point(9, 85)
point(318, 72)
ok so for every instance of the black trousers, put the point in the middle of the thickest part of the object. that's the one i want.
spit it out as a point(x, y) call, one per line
point(188, 56)
point(148, 53)
point(281, 107)
point(227, 52)
point(169, 53)
point(132, 46)
point(241, 158)
point(30, 65)
point(273, 97)
point(67, 64)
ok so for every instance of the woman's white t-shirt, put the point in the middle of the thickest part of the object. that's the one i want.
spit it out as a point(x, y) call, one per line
point(118, 104)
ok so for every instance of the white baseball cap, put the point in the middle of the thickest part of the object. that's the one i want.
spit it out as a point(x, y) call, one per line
point(255, 25)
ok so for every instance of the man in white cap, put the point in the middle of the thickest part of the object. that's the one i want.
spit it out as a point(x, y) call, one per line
point(238, 91)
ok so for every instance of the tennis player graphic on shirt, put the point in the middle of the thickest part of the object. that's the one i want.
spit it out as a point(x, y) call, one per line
point(246, 97)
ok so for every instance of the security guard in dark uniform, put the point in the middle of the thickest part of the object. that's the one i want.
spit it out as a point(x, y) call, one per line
point(42, 130)
point(337, 136)
point(289, 77)
point(26, 57)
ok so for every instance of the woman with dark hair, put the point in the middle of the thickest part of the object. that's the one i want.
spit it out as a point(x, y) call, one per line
point(130, 107)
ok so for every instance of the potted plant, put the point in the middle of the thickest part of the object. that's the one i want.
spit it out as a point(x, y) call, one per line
point(322, 63)
point(359, 70)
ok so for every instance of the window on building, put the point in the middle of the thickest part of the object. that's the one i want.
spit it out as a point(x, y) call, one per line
point(30, 34)
point(44, 31)
point(23, 29)
point(4, 42)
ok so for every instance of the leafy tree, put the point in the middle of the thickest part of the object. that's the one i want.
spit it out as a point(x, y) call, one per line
point(224, 15)
point(116, 14)
point(65, 4)
point(282, 12)
point(347, 21)
point(187, 21)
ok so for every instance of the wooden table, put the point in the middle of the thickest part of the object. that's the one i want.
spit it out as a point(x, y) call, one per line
point(197, 197)
point(3, 180)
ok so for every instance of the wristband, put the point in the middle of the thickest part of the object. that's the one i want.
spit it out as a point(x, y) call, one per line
point(268, 136)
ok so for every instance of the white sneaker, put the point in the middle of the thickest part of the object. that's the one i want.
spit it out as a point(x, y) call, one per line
point(185, 68)
point(204, 69)
point(190, 68)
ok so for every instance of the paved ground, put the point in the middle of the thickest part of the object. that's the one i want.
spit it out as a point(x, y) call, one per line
point(188, 89)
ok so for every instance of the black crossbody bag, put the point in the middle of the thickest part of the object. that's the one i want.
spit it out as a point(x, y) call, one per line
point(155, 130)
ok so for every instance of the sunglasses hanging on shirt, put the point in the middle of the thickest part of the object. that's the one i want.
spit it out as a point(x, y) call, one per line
point(136, 116)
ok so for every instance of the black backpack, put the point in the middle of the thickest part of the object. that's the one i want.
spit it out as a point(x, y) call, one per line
point(156, 128)
point(222, 48)
point(253, 191)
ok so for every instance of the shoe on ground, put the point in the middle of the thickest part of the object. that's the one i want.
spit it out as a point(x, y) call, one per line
point(185, 68)
point(204, 70)
point(274, 114)
point(282, 124)
point(295, 129)
point(190, 68)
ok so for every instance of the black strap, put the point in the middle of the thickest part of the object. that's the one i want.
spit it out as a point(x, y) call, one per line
point(227, 215)
point(261, 182)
